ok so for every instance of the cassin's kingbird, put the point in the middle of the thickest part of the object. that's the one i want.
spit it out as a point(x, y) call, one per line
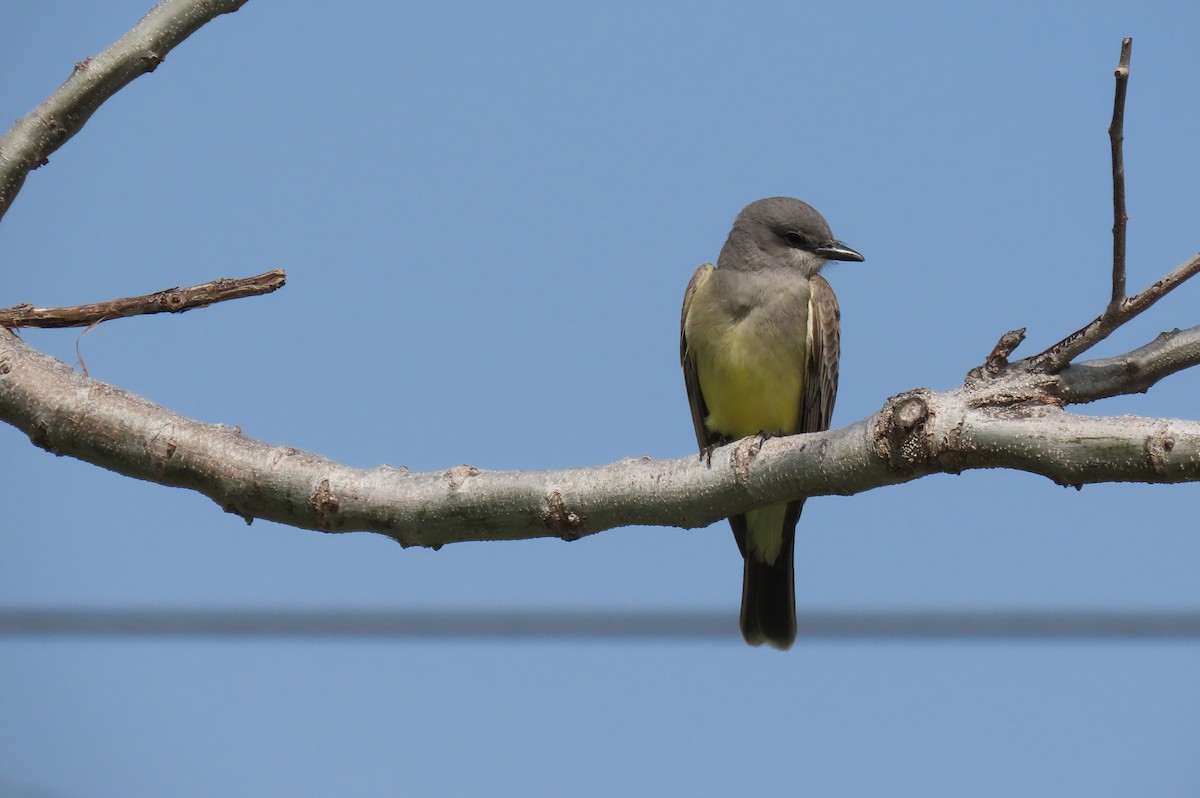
point(759, 342)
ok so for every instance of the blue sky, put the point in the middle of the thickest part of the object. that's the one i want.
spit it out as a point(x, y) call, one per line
point(488, 216)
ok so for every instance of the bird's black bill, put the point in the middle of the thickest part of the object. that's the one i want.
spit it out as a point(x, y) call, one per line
point(836, 250)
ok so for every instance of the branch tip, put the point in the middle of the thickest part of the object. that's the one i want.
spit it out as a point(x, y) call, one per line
point(1116, 134)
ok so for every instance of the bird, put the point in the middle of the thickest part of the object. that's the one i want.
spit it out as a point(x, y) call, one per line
point(759, 343)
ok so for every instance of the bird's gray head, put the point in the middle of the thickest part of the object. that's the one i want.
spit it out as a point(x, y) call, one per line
point(781, 232)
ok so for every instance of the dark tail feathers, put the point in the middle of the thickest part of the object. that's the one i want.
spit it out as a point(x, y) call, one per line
point(769, 602)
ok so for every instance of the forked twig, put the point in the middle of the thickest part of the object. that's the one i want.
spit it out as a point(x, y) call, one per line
point(1120, 308)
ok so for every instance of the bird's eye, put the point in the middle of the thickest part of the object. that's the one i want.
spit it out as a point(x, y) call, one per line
point(795, 240)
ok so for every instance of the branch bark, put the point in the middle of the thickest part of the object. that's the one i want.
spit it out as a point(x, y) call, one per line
point(29, 143)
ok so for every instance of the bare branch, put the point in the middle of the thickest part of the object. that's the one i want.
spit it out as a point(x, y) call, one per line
point(29, 143)
point(915, 434)
point(169, 300)
point(1116, 135)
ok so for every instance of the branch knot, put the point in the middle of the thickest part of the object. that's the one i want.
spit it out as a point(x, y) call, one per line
point(324, 505)
point(900, 430)
point(562, 522)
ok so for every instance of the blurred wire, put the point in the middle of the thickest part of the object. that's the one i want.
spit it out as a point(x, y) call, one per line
point(592, 625)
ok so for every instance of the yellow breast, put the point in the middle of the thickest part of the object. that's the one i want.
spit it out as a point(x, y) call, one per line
point(750, 388)
point(751, 367)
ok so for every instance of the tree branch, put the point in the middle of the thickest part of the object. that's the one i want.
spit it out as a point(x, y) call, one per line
point(29, 142)
point(169, 300)
point(915, 434)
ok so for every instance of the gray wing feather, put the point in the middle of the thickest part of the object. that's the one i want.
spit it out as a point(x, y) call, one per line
point(691, 379)
point(821, 382)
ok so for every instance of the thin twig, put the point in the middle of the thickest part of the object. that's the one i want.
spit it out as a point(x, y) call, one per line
point(170, 300)
point(1116, 135)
